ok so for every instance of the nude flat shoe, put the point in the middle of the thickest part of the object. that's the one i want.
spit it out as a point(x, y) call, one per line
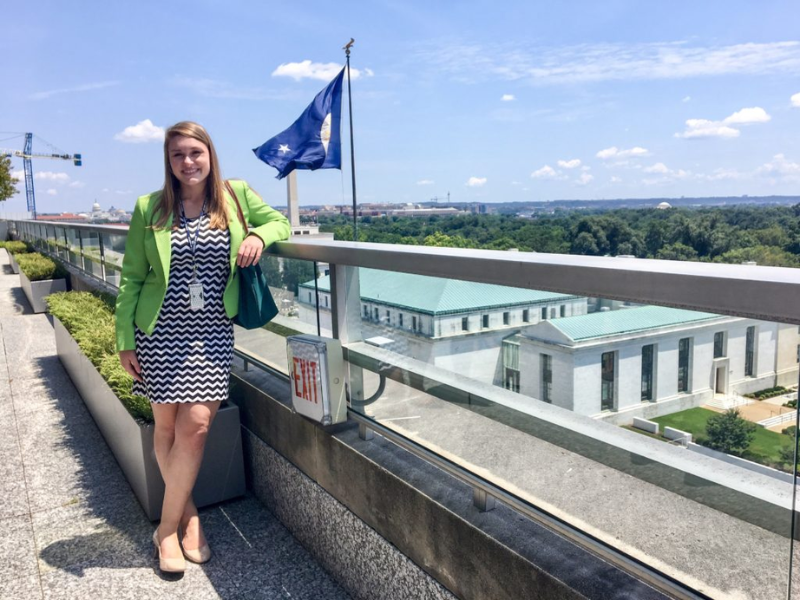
point(167, 565)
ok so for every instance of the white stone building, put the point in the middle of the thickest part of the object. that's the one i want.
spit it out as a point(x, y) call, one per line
point(455, 325)
point(649, 361)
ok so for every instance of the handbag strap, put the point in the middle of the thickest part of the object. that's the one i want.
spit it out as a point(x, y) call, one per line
point(229, 187)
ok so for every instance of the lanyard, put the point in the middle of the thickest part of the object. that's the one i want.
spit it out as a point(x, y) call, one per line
point(192, 243)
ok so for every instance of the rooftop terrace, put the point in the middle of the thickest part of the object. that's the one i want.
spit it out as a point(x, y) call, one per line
point(70, 526)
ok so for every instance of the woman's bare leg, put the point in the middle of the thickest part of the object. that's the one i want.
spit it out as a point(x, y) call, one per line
point(192, 424)
point(163, 439)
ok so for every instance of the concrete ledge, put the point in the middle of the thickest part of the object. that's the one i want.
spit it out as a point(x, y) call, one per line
point(645, 425)
point(427, 515)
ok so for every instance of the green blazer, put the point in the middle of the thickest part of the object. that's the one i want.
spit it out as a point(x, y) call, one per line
point(145, 266)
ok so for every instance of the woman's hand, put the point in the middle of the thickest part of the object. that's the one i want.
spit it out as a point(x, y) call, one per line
point(250, 251)
point(131, 364)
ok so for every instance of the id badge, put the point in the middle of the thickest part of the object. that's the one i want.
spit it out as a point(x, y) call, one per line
point(196, 300)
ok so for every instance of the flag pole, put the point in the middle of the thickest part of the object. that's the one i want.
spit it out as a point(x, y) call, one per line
point(352, 149)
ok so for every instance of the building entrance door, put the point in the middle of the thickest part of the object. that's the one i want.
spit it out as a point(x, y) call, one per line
point(719, 387)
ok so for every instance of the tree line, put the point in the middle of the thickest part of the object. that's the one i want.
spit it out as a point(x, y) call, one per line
point(767, 235)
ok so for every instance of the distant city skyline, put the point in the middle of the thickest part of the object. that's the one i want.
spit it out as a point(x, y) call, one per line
point(529, 103)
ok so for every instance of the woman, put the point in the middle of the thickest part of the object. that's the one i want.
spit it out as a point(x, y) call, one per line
point(179, 291)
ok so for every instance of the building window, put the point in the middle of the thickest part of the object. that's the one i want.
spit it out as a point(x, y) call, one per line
point(506, 318)
point(511, 366)
point(377, 315)
point(388, 317)
point(526, 316)
point(553, 312)
point(647, 372)
point(400, 319)
point(366, 311)
point(547, 377)
point(683, 365)
point(485, 321)
point(309, 297)
point(544, 313)
point(326, 301)
point(719, 344)
point(749, 352)
point(413, 322)
point(464, 323)
point(607, 381)
point(563, 310)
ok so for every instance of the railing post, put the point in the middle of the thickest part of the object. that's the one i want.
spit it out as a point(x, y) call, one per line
point(102, 256)
point(346, 324)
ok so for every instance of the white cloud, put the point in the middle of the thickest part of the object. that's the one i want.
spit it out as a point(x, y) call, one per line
point(508, 98)
point(584, 179)
point(614, 152)
point(52, 192)
point(704, 128)
point(570, 164)
point(657, 168)
point(724, 174)
point(51, 176)
point(608, 62)
point(746, 116)
point(78, 88)
point(77, 184)
point(123, 192)
point(142, 132)
point(20, 174)
point(615, 179)
point(476, 181)
point(425, 182)
point(686, 99)
point(781, 166)
point(546, 172)
point(796, 100)
point(313, 70)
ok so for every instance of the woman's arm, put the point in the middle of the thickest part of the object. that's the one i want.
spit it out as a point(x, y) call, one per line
point(268, 224)
point(134, 270)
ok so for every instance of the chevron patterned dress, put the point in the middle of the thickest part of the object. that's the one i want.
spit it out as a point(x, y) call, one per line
point(188, 356)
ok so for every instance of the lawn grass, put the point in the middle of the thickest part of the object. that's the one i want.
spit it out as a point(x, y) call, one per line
point(764, 449)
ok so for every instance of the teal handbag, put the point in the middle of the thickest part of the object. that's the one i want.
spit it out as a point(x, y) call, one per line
point(256, 305)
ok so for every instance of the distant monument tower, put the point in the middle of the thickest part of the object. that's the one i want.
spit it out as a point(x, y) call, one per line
point(291, 199)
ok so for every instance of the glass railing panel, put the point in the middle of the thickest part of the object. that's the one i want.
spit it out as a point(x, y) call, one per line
point(90, 242)
point(74, 248)
point(113, 253)
point(297, 312)
point(62, 250)
point(538, 393)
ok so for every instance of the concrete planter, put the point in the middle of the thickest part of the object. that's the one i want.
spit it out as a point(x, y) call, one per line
point(13, 263)
point(221, 474)
point(37, 290)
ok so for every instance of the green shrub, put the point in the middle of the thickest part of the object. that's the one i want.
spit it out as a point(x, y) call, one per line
point(728, 432)
point(38, 267)
point(16, 247)
point(90, 321)
point(767, 393)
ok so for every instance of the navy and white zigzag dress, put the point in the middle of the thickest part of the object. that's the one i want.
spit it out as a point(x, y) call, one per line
point(188, 356)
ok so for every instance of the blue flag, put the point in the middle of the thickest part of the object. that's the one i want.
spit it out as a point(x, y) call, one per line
point(313, 141)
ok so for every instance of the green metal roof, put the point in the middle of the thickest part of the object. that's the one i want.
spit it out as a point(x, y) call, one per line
point(628, 320)
point(437, 296)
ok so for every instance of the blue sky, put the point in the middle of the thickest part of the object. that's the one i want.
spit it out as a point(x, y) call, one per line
point(488, 101)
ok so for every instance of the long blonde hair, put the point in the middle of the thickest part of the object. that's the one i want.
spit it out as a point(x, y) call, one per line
point(215, 187)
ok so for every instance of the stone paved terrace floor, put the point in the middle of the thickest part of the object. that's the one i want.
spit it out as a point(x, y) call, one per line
point(70, 526)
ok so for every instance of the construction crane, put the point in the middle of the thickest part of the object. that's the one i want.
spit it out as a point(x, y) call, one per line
point(437, 198)
point(26, 155)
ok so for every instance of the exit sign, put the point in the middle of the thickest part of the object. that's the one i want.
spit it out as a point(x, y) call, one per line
point(316, 374)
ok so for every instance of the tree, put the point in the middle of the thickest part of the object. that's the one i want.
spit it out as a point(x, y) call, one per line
point(7, 187)
point(677, 251)
point(728, 432)
point(296, 272)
